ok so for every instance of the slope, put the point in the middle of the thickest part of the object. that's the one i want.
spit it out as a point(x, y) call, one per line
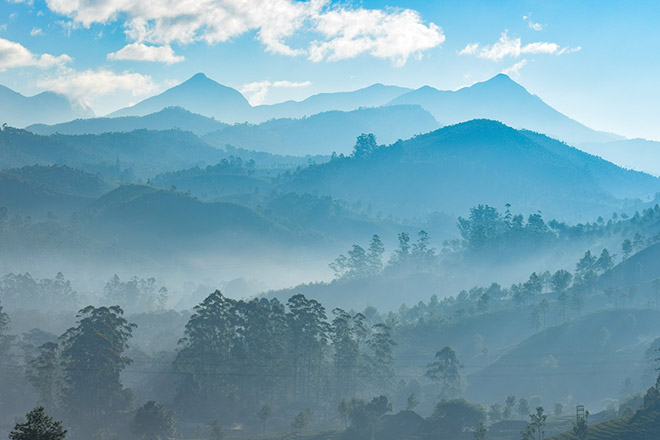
point(455, 168)
point(326, 132)
point(504, 100)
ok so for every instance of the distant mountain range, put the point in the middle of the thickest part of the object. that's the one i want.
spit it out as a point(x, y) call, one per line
point(502, 99)
point(17, 110)
point(636, 154)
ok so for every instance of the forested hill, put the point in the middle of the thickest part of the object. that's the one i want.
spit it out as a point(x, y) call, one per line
point(480, 161)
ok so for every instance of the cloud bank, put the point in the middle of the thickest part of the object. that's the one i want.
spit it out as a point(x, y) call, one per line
point(346, 32)
point(507, 47)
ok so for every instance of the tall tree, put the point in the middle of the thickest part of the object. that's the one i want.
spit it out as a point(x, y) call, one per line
point(446, 369)
point(93, 359)
point(153, 421)
point(42, 373)
point(382, 361)
point(347, 333)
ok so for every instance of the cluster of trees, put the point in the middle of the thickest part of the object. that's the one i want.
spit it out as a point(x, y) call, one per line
point(22, 291)
point(241, 355)
point(486, 229)
point(361, 263)
point(137, 294)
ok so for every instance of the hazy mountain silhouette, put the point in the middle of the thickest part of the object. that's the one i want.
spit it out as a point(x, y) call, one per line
point(372, 96)
point(481, 161)
point(501, 99)
point(200, 95)
point(326, 132)
point(17, 110)
point(165, 119)
point(637, 154)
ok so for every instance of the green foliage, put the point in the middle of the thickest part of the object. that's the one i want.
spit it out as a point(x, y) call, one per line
point(446, 369)
point(42, 373)
point(38, 426)
point(93, 358)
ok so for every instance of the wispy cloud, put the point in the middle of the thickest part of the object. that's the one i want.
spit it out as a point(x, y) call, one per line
point(393, 33)
point(143, 52)
point(532, 24)
point(36, 32)
point(85, 86)
point(507, 47)
point(514, 71)
point(256, 92)
point(14, 55)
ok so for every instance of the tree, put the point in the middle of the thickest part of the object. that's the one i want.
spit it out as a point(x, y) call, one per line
point(153, 421)
point(451, 418)
point(301, 421)
point(264, 414)
point(585, 269)
point(626, 248)
point(559, 409)
point(365, 145)
point(347, 333)
point(215, 431)
point(375, 256)
point(509, 404)
point(344, 409)
point(412, 402)
point(638, 242)
point(538, 421)
point(523, 408)
point(560, 281)
point(382, 360)
point(42, 373)
point(447, 370)
point(580, 429)
point(605, 262)
point(38, 426)
point(483, 227)
point(480, 432)
point(93, 359)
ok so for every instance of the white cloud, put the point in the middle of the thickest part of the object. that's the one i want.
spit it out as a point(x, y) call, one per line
point(513, 48)
point(394, 34)
point(535, 26)
point(256, 92)
point(85, 86)
point(391, 34)
point(36, 32)
point(143, 52)
point(514, 71)
point(470, 49)
point(14, 54)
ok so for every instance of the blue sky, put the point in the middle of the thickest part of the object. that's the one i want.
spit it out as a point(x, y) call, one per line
point(596, 61)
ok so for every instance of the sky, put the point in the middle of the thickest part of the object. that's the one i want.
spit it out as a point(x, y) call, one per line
point(595, 61)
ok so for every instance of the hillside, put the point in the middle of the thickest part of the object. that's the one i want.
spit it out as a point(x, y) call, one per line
point(165, 119)
point(26, 197)
point(602, 347)
point(63, 180)
point(17, 110)
point(504, 100)
point(326, 132)
point(479, 162)
point(138, 218)
point(643, 425)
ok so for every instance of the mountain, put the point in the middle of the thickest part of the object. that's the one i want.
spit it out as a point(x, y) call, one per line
point(326, 132)
point(455, 168)
point(138, 217)
point(62, 180)
point(199, 95)
point(17, 110)
point(117, 156)
point(375, 95)
point(637, 154)
point(165, 119)
point(202, 95)
point(504, 100)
